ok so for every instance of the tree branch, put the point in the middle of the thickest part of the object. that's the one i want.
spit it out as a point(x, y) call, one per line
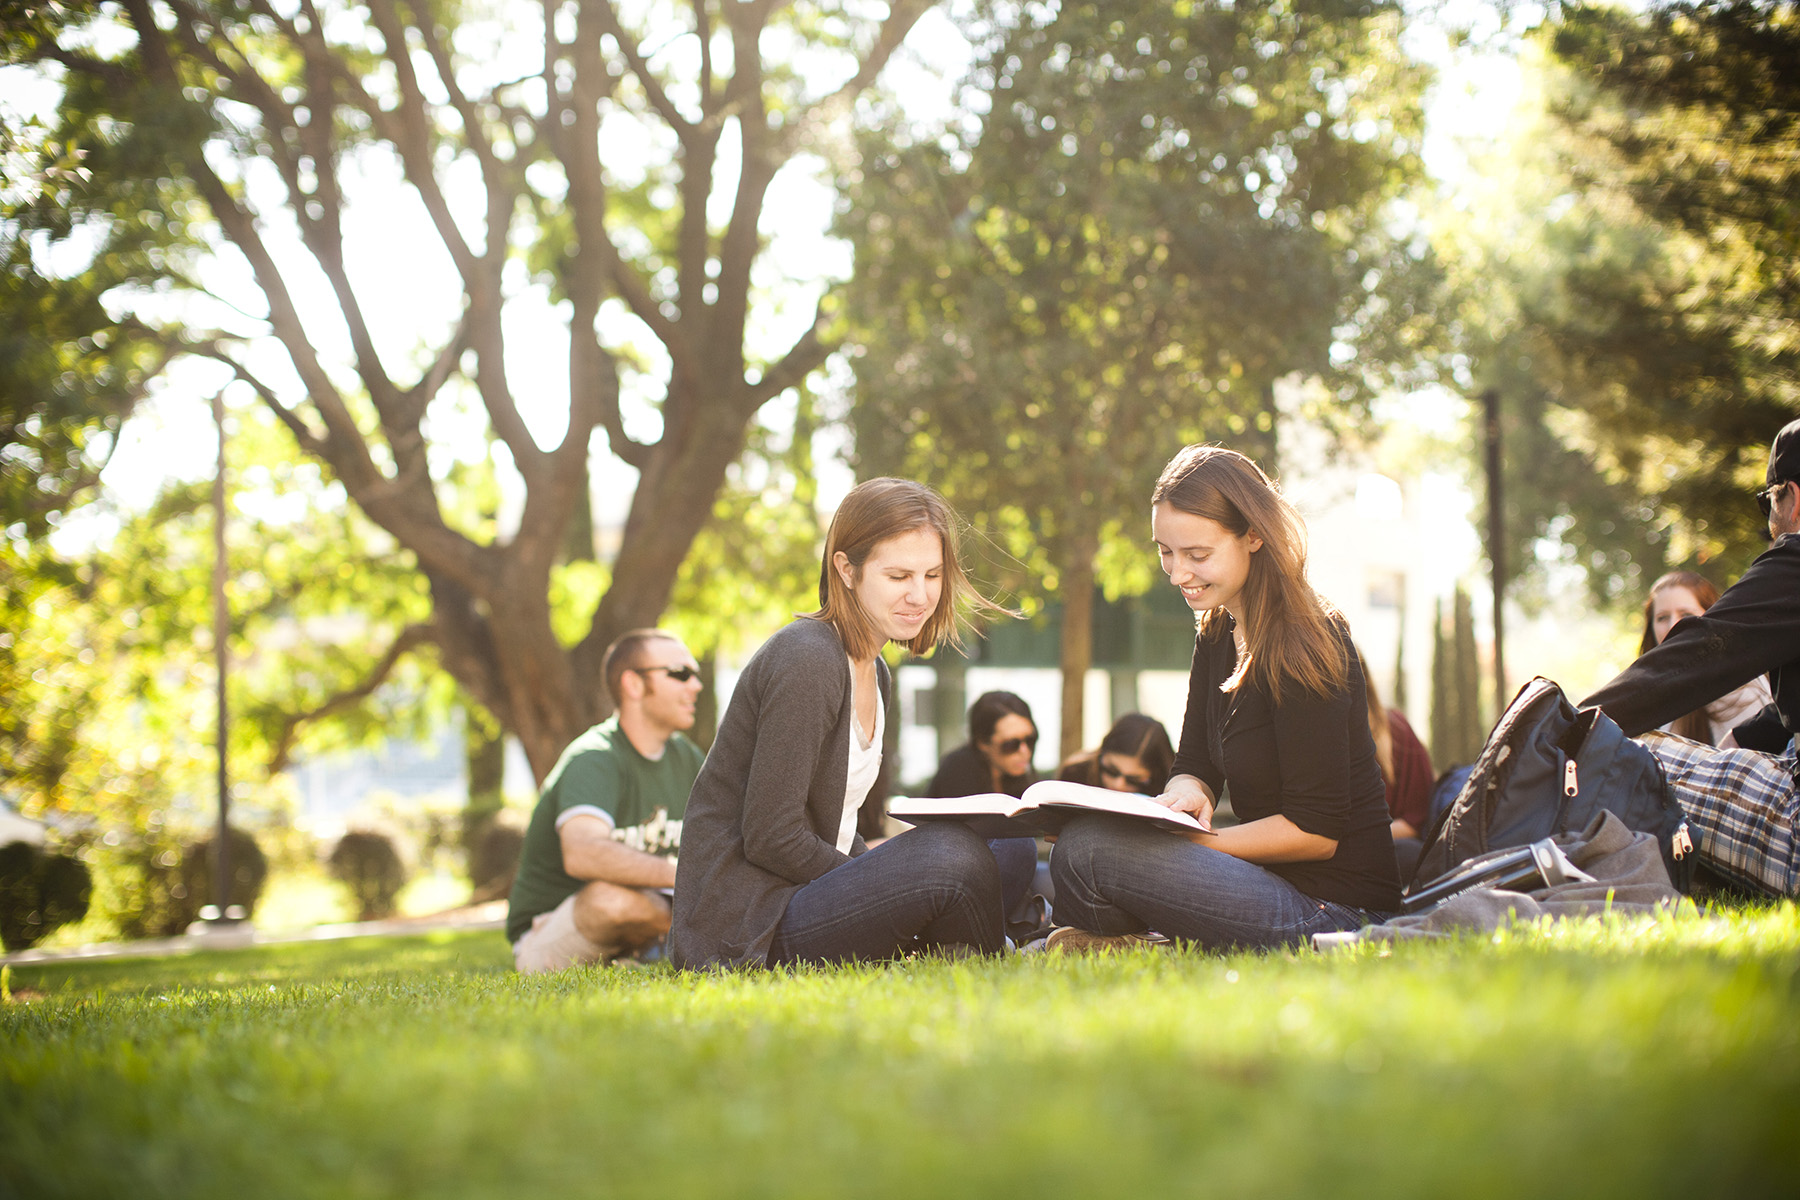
point(473, 127)
point(802, 358)
point(409, 638)
point(640, 67)
point(902, 16)
point(621, 443)
point(421, 394)
point(481, 276)
point(703, 31)
point(310, 441)
point(410, 134)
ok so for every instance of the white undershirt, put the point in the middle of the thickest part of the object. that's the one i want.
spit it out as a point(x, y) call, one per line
point(865, 765)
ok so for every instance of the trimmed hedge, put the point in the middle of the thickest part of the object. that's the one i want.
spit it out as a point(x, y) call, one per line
point(369, 865)
point(39, 892)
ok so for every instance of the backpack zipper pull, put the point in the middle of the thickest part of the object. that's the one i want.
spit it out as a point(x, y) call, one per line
point(1569, 786)
point(1681, 843)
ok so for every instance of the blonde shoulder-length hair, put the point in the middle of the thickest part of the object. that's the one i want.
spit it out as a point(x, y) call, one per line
point(873, 512)
point(1289, 638)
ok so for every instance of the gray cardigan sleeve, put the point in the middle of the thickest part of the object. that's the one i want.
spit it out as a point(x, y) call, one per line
point(764, 813)
point(801, 701)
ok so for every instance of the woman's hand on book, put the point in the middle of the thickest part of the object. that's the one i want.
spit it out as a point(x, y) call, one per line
point(1187, 794)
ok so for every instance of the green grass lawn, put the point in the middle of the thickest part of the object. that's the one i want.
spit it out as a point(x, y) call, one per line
point(1631, 1059)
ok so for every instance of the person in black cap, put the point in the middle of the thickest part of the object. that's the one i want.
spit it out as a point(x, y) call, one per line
point(1741, 796)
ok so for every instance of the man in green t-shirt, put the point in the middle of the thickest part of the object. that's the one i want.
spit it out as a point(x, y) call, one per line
point(599, 856)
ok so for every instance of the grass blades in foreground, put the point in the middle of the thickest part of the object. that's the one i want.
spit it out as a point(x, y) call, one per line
point(1622, 1059)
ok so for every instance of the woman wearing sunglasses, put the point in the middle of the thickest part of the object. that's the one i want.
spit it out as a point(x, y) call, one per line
point(996, 758)
point(1276, 713)
point(1134, 756)
point(772, 871)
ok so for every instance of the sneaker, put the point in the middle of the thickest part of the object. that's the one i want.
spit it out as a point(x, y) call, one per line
point(1070, 940)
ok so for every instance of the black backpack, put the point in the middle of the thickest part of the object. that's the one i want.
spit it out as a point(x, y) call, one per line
point(1549, 768)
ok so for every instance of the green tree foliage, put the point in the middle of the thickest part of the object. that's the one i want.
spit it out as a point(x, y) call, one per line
point(106, 662)
point(618, 157)
point(1632, 293)
point(70, 370)
point(1695, 120)
point(1166, 207)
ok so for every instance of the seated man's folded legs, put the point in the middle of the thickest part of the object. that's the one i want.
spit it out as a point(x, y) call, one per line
point(1743, 807)
point(599, 923)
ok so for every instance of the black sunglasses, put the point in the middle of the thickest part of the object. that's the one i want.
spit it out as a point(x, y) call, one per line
point(1108, 771)
point(1765, 499)
point(678, 674)
point(1011, 745)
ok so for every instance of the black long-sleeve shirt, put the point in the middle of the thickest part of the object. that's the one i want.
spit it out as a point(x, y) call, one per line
point(1753, 629)
point(1311, 759)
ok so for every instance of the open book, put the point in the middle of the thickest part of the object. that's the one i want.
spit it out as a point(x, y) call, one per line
point(1044, 808)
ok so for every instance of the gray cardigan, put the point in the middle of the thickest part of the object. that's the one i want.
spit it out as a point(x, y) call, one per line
point(763, 817)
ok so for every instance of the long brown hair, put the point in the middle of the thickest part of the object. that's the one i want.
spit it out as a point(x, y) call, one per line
point(1380, 728)
point(1694, 726)
point(1289, 635)
point(873, 512)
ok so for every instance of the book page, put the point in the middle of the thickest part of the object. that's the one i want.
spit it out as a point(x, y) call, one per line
point(1060, 793)
point(998, 804)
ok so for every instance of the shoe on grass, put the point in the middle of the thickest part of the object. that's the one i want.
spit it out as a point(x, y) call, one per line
point(1070, 940)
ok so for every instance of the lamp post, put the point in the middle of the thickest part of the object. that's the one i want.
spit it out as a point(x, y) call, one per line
point(222, 662)
point(1490, 400)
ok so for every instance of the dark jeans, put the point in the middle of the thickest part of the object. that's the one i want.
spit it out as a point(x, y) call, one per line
point(1114, 875)
point(1017, 859)
point(934, 885)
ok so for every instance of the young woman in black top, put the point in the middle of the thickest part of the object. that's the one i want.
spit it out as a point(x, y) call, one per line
point(1275, 714)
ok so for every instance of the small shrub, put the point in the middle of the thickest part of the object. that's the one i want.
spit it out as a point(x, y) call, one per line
point(249, 872)
point(369, 865)
point(38, 893)
point(141, 888)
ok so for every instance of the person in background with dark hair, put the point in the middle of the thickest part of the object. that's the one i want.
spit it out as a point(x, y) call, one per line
point(772, 869)
point(1405, 772)
point(996, 758)
point(1276, 713)
point(1134, 756)
point(1682, 594)
point(1742, 797)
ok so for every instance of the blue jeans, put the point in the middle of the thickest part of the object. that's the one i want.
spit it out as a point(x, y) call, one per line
point(934, 885)
point(1017, 858)
point(1114, 875)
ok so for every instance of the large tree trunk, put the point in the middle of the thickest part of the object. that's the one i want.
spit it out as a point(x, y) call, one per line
point(949, 699)
point(1077, 639)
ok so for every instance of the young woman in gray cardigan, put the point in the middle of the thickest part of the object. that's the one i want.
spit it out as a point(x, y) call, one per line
point(772, 871)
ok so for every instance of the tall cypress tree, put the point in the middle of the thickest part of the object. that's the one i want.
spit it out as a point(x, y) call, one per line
point(1471, 729)
point(1441, 701)
point(1398, 699)
point(1458, 725)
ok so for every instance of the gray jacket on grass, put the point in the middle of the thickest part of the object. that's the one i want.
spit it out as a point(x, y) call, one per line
point(1626, 878)
point(762, 820)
